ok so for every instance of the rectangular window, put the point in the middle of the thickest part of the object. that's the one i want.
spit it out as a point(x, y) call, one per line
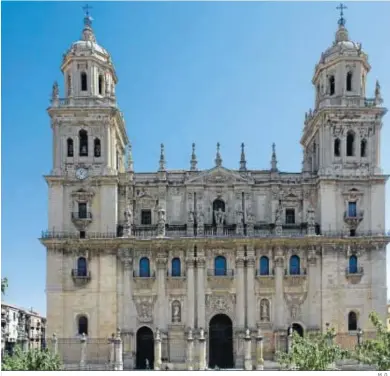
point(82, 234)
point(82, 210)
point(352, 212)
point(290, 216)
point(146, 217)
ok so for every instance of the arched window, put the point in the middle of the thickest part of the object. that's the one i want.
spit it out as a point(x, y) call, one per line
point(264, 265)
point(220, 265)
point(69, 147)
point(363, 148)
point(337, 147)
point(331, 85)
point(81, 267)
point(144, 267)
point(352, 321)
point(69, 84)
point(96, 148)
point(350, 144)
point(353, 265)
point(295, 265)
point(176, 267)
point(101, 83)
point(83, 143)
point(82, 324)
point(349, 81)
point(83, 81)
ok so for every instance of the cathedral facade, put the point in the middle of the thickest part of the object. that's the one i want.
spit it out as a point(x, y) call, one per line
point(219, 251)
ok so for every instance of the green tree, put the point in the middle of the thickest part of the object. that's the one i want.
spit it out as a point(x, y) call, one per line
point(313, 352)
point(4, 285)
point(376, 352)
point(32, 360)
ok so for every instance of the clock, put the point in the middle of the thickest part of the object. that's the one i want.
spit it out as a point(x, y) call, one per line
point(81, 173)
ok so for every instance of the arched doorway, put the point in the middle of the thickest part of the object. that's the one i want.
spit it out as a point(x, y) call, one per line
point(145, 348)
point(297, 328)
point(221, 342)
point(217, 205)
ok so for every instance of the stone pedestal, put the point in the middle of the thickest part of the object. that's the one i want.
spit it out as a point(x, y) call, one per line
point(190, 351)
point(190, 229)
point(219, 230)
point(83, 357)
point(259, 351)
point(157, 351)
point(248, 351)
point(250, 229)
point(202, 351)
point(278, 230)
point(112, 351)
point(118, 352)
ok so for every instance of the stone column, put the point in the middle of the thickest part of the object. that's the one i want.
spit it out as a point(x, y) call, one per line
point(201, 264)
point(161, 262)
point(190, 292)
point(312, 287)
point(248, 351)
point(202, 351)
point(111, 341)
point(118, 352)
point(83, 358)
point(259, 351)
point(240, 288)
point(190, 350)
point(250, 274)
point(157, 351)
point(279, 275)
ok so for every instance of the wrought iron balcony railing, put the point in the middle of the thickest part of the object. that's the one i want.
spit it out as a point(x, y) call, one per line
point(81, 274)
point(359, 270)
point(300, 272)
point(354, 215)
point(173, 275)
point(220, 272)
point(144, 274)
point(82, 215)
point(270, 273)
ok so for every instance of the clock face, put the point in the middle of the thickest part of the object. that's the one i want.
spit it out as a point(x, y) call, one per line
point(81, 173)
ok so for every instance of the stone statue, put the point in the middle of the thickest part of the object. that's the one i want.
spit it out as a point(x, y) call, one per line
point(264, 310)
point(158, 334)
point(219, 216)
point(176, 311)
point(128, 215)
point(190, 336)
point(147, 366)
point(201, 333)
point(310, 217)
point(161, 222)
point(247, 333)
point(240, 217)
point(279, 215)
point(55, 92)
point(191, 216)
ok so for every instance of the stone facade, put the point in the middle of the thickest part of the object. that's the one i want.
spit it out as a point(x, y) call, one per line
point(21, 327)
point(172, 249)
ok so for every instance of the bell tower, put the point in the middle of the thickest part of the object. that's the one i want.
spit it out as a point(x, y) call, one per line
point(341, 134)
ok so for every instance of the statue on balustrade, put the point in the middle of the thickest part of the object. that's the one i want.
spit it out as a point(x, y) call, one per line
point(219, 216)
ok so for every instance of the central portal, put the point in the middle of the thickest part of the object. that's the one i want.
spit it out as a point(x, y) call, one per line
point(145, 348)
point(221, 342)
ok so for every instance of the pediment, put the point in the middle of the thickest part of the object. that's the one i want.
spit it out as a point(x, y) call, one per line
point(219, 175)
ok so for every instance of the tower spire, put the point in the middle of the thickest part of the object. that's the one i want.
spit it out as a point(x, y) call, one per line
point(342, 32)
point(274, 162)
point(218, 159)
point(162, 158)
point(88, 34)
point(242, 160)
point(193, 162)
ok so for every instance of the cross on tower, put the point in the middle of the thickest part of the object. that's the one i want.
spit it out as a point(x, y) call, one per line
point(341, 7)
point(86, 8)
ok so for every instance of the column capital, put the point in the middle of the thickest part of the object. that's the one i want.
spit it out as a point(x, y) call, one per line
point(201, 262)
point(250, 262)
point(190, 262)
point(161, 262)
point(239, 262)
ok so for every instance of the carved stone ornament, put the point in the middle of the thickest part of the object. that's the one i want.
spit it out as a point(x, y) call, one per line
point(264, 310)
point(294, 303)
point(83, 195)
point(126, 256)
point(220, 303)
point(145, 307)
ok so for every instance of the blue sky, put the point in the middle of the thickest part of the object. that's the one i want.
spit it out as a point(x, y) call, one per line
point(188, 72)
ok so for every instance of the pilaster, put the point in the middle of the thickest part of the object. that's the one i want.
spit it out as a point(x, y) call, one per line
point(279, 274)
point(161, 263)
point(190, 293)
point(201, 265)
point(250, 285)
point(240, 286)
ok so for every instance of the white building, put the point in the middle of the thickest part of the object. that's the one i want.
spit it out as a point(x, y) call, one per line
point(220, 249)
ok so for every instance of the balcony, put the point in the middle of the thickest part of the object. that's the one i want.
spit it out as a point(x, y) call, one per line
point(80, 277)
point(258, 233)
point(354, 275)
point(266, 280)
point(84, 102)
point(176, 281)
point(81, 219)
point(144, 281)
point(220, 273)
point(353, 218)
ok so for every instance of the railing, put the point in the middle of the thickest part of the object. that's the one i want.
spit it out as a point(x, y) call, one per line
point(138, 274)
point(357, 215)
point(354, 271)
point(302, 271)
point(141, 234)
point(84, 101)
point(181, 275)
point(82, 215)
point(271, 273)
point(220, 272)
point(81, 274)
